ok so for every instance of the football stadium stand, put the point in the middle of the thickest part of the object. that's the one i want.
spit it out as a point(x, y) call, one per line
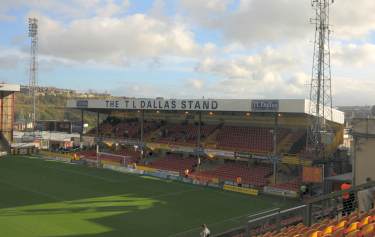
point(255, 126)
point(235, 139)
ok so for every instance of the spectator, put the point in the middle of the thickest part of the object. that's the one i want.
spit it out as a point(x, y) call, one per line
point(302, 191)
point(239, 181)
point(347, 199)
point(187, 173)
point(205, 232)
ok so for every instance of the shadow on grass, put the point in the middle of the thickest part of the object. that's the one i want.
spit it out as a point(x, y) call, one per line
point(133, 207)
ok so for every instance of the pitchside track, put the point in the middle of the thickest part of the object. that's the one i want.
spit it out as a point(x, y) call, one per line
point(45, 198)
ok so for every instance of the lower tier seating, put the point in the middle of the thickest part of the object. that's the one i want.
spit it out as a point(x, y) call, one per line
point(174, 163)
point(292, 185)
point(131, 156)
point(255, 175)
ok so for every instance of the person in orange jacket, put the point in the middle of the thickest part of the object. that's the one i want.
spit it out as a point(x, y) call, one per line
point(347, 199)
point(239, 181)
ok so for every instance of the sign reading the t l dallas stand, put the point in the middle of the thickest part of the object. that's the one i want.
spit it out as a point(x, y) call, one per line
point(265, 105)
point(180, 104)
point(232, 105)
point(150, 104)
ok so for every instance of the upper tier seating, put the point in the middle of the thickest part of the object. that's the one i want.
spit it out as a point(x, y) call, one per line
point(255, 176)
point(180, 134)
point(114, 127)
point(126, 130)
point(133, 129)
point(300, 143)
point(251, 139)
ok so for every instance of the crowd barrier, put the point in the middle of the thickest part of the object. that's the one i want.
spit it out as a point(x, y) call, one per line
point(50, 154)
point(330, 206)
point(280, 192)
point(123, 169)
point(249, 191)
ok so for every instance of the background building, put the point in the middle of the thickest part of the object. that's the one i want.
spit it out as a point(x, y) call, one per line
point(7, 108)
point(363, 150)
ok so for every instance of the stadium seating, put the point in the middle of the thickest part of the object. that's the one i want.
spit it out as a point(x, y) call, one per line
point(253, 139)
point(132, 156)
point(184, 134)
point(292, 185)
point(255, 176)
point(126, 130)
point(132, 129)
point(354, 225)
point(300, 142)
point(174, 163)
point(114, 127)
point(238, 138)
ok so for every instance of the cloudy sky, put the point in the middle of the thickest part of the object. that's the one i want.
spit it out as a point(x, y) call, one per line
point(189, 48)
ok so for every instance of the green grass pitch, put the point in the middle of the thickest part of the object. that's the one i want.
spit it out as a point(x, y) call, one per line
point(45, 198)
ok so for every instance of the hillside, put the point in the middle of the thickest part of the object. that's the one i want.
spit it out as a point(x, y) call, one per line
point(49, 107)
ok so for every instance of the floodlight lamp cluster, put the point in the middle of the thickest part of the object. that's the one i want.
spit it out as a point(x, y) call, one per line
point(33, 27)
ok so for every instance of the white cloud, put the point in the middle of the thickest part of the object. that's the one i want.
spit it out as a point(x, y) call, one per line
point(196, 84)
point(68, 9)
point(5, 17)
point(201, 7)
point(204, 13)
point(353, 19)
point(248, 48)
point(252, 67)
point(9, 61)
point(110, 9)
point(11, 58)
point(263, 22)
point(253, 21)
point(272, 73)
point(354, 55)
point(354, 91)
point(271, 85)
point(115, 40)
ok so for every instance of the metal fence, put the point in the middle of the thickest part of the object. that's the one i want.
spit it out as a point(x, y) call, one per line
point(332, 205)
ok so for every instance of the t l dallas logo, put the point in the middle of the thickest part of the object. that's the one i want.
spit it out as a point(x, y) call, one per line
point(265, 105)
point(82, 103)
